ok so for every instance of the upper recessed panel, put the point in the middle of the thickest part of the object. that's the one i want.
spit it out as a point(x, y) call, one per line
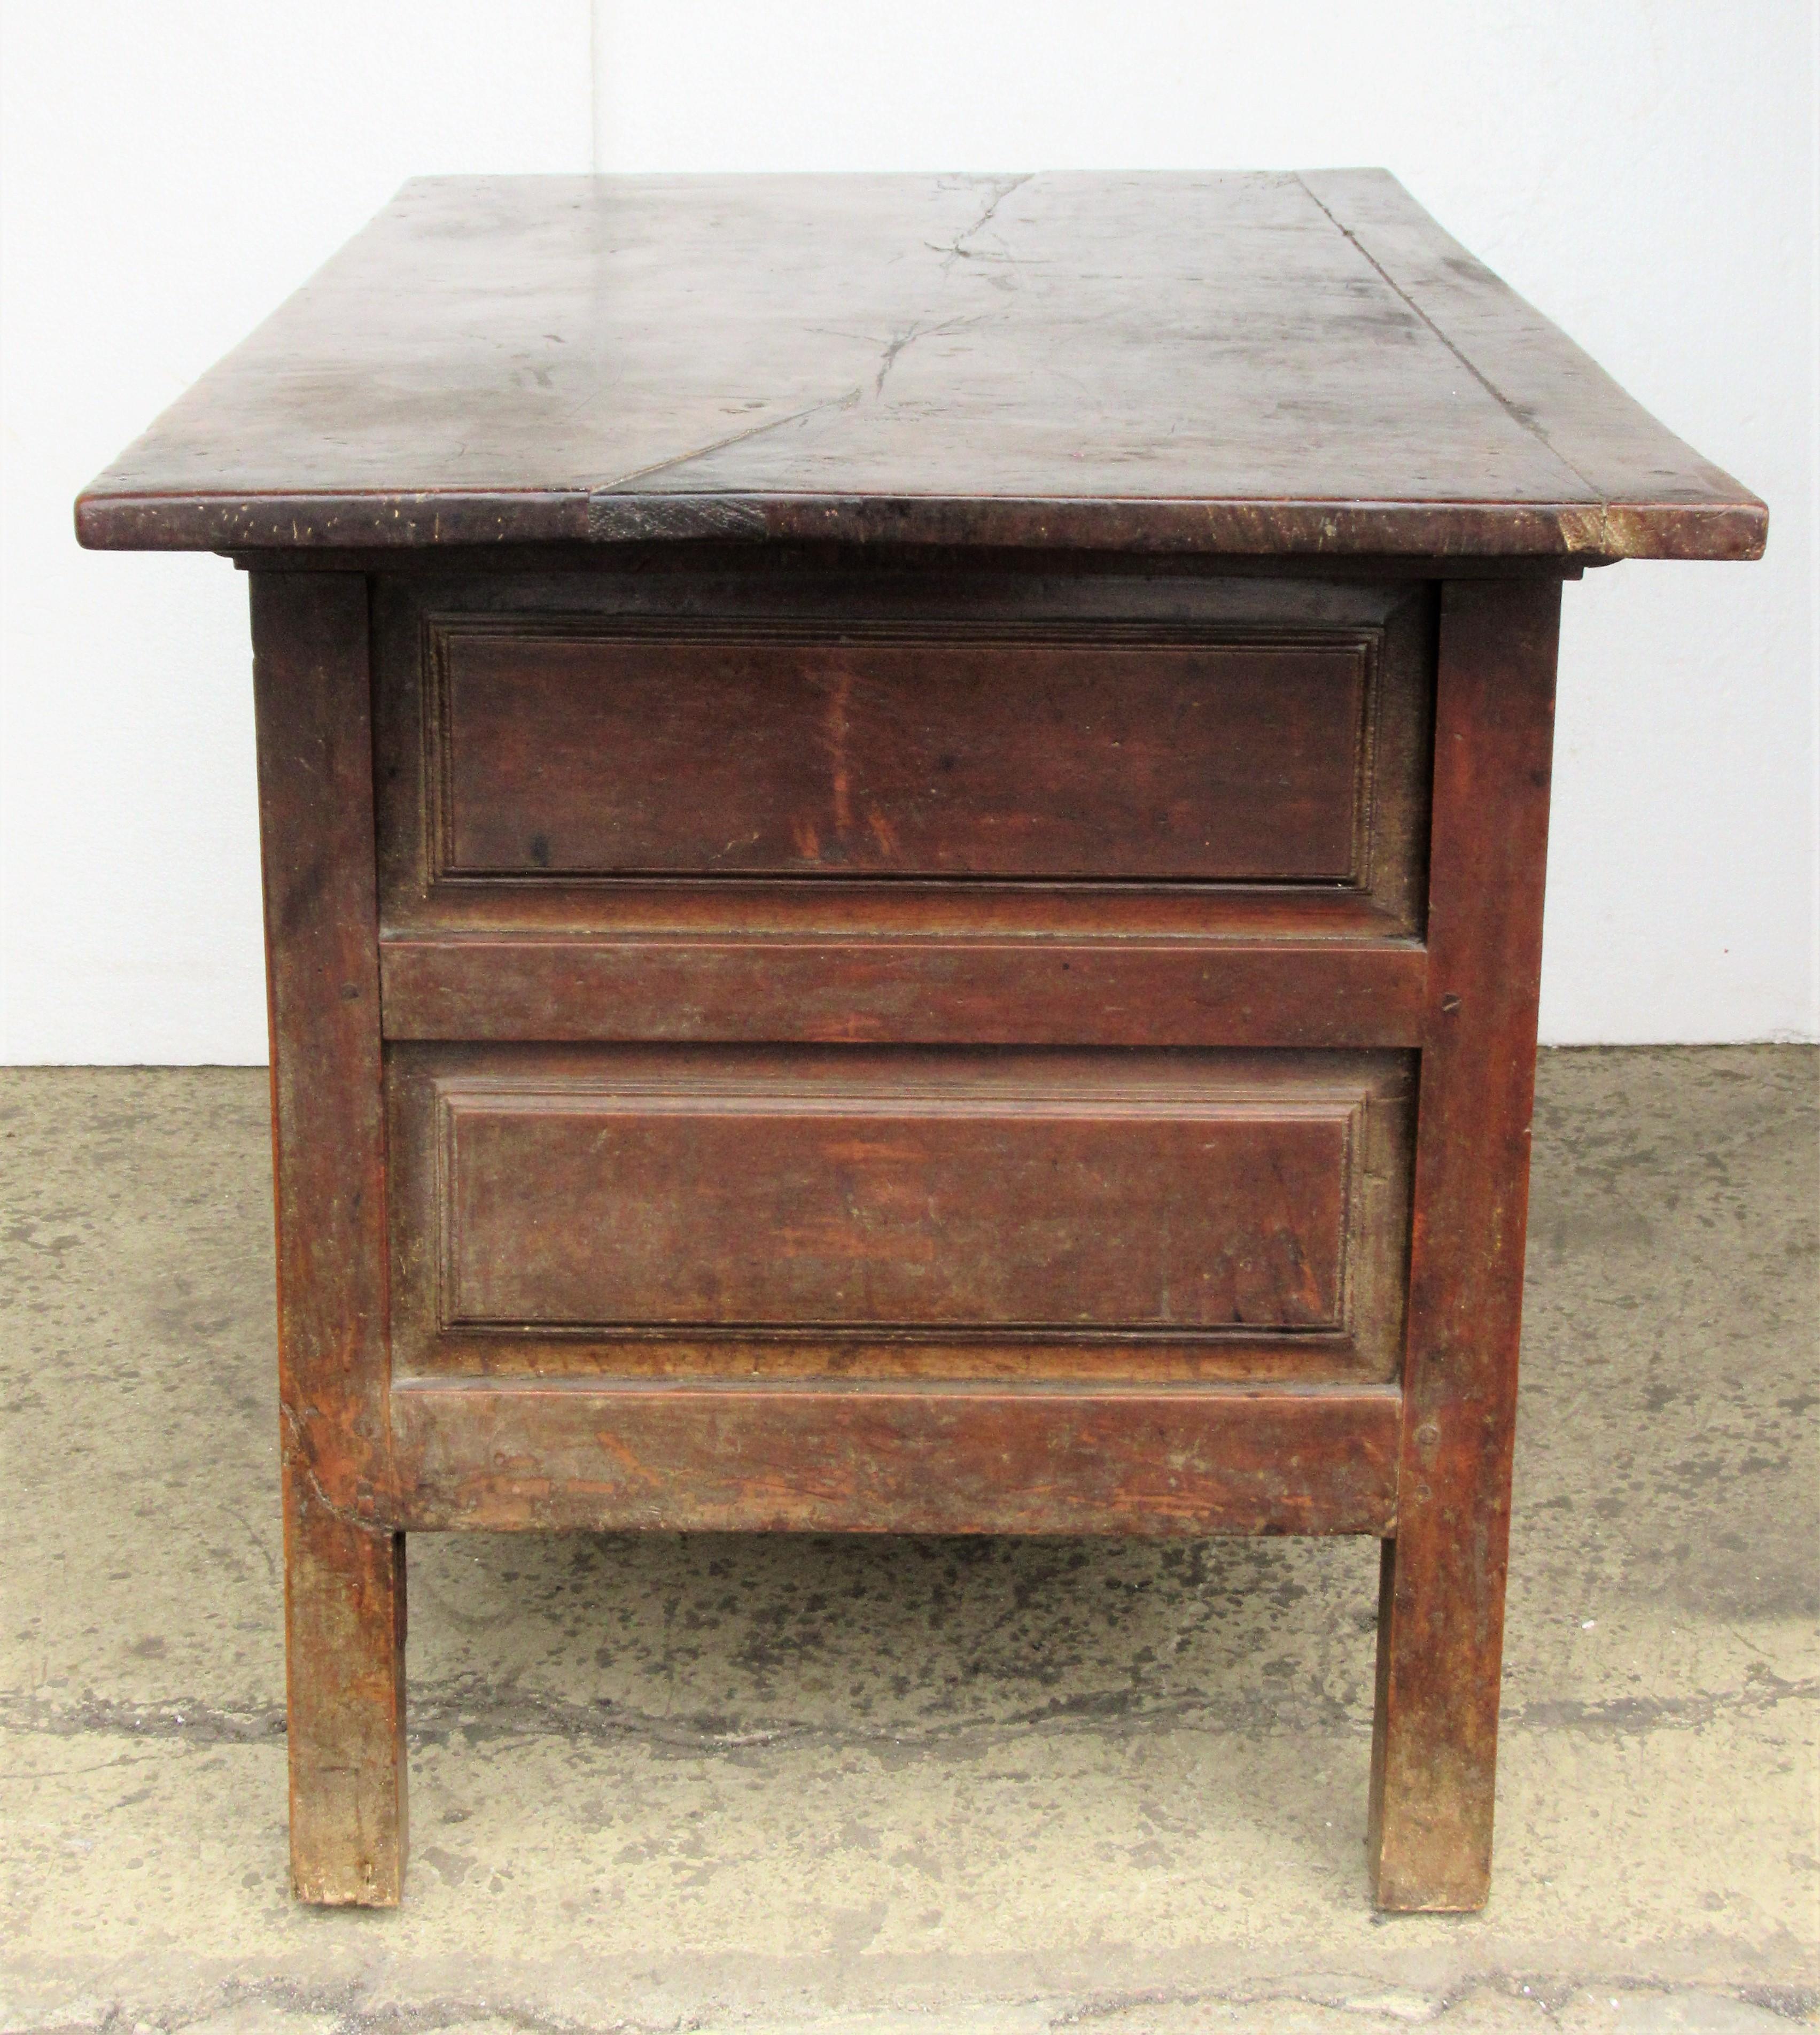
point(1213, 363)
point(563, 751)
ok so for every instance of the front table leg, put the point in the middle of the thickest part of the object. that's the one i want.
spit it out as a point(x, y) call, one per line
point(344, 1676)
point(343, 1566)
point(1441, 1617)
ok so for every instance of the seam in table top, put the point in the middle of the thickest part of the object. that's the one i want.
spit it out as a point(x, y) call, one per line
point(1510, 408)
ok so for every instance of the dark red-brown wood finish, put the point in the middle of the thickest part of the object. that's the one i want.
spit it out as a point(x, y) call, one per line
point(1200, 362)
point(914, 906)
point(343, 1562)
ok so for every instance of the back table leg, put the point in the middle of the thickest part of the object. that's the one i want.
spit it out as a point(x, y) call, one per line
point(1441, 1614)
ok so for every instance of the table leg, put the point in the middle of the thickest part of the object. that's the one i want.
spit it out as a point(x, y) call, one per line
point(344, 1672)
point(343, 1565)
point(1441, 1617)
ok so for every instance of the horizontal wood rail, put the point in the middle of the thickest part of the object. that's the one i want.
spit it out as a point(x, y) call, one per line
point(980, 993)
point(571, 1454)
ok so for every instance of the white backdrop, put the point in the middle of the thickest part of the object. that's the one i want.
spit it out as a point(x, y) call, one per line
point(1643, 170)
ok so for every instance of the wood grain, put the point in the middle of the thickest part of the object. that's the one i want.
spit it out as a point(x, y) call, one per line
point(344, 1704)
point(904, 822)
point(928, 992)
point(556, 750)
point(780, 1203)
point(1441, 1619)
point(567, 1455)
point(734, 1214)
point(311, 699)
point(344, 1576)
point(541, 736)
point(1660, 500)
point(1199, 362)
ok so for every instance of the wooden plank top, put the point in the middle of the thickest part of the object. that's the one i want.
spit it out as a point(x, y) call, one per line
point(1214, 362)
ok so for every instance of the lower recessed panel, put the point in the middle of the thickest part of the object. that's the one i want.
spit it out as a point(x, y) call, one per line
point(816, 1213)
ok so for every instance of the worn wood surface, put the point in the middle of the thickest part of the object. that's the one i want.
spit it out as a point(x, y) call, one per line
point(992, 1199)
point(952, 991)
point(565, 1454)
point(1442, 1620)
point(345, 1702)
point(729, 1213)
point(866, 932)
point(311, 692)
point(345, 1575)
point(962, 751)
point(1180, 361)
point(1110, 759)
point(1659, 499)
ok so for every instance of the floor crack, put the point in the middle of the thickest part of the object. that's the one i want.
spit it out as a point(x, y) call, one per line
point(437, 1712)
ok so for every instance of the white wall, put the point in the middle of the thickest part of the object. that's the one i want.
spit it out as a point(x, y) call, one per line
point(169, 171)
point(1644, 170)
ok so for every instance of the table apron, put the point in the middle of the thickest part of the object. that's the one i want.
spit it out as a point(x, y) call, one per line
point(719, 1458)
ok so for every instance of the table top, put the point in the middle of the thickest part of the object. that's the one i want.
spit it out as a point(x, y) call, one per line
point(1213, 363)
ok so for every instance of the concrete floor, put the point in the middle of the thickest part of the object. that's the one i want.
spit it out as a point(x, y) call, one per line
point(712, 1784)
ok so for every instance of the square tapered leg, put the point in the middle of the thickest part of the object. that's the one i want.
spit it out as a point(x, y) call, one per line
point(1441, 1617)
point(345, 1674)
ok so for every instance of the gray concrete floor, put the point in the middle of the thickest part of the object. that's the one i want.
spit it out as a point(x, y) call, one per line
point(710, 1783)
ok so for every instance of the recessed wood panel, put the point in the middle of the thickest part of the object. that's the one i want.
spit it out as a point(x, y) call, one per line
point(775, 1208)
point(842, 1213)
point(973, 752)
point(564, 750)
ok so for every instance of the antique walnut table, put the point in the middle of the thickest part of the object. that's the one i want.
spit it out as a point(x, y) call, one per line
point(904, 823)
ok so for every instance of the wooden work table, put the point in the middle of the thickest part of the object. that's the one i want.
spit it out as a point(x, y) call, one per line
point(904, 822)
